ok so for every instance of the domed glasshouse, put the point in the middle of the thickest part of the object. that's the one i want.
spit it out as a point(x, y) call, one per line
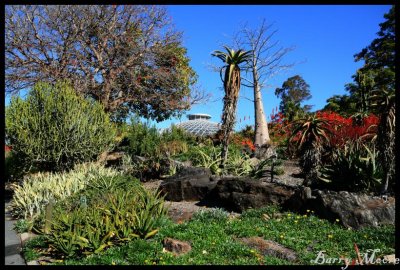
point(199, 125)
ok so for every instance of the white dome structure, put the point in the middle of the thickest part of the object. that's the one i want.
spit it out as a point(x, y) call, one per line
point(199, 125)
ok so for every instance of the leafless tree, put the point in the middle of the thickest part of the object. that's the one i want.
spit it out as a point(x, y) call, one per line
point(123, 56)
point(266, 62)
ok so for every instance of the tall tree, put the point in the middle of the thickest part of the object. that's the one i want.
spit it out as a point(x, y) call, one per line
point(232, 80)
point(265, 62)
point(130, 58)
point(292, 93)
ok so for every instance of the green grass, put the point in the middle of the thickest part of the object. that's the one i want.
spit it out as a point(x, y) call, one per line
point(213, 240)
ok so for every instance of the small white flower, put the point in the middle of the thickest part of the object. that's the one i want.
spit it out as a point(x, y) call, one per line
point(205, 252)
point(164, 250)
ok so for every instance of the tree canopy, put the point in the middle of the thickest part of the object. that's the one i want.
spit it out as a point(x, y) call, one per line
point(129, 58)
point(293, 91)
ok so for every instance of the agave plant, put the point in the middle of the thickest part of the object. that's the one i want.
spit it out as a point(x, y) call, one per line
point(353, 168)
point(232, 59)
point(310, 134)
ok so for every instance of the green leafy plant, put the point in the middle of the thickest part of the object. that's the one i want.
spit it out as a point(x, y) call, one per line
point(23, 225)
point(310, 134)
point(54, 128)
point(110, 217)
point(30, 198)
point(353, 168)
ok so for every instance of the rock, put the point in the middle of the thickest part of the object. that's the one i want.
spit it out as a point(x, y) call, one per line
point(239, 194)
point(189, 184)
point(179, 216)
point(176, 246)
point(354, 210)
point(26, 236)
point(265, 152)
point(269, 248)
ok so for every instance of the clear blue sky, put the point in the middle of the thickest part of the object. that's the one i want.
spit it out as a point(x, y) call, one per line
point(326, 37)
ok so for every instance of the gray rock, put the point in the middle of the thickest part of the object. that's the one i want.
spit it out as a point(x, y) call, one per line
point(239, 194)
point(189, 184)
point(354, 210)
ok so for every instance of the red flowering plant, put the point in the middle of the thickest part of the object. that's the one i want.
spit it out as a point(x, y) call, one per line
point(344, 129)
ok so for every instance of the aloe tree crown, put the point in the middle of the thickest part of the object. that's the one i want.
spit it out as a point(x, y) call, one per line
point(232, 59)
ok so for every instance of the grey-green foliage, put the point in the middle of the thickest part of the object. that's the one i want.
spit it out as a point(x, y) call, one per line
point(53, 128)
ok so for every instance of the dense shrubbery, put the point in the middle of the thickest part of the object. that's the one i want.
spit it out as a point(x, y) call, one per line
point(30, 198)
point(54, 128)
point(116, 210)
point(353, 168)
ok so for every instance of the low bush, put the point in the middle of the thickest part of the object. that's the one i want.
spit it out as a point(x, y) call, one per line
point(54, 128)
point(30, 198)
point(107, 217)
point(353, 168)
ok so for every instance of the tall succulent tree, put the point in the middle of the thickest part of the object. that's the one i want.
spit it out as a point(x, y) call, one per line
point(265, 62)
point(232, 59)
point(310, 134)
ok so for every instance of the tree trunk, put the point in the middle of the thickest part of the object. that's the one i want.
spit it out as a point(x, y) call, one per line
point(261, 137)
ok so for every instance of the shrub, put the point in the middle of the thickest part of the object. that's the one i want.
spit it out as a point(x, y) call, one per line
point(53, 128)
point(30, 198)
point(215, 214)
point(353, 168)
point(109, 217)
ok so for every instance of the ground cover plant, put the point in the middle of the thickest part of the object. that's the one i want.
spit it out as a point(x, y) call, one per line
point(214, 237)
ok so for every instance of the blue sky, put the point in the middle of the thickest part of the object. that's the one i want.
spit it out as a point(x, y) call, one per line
point(325, 38)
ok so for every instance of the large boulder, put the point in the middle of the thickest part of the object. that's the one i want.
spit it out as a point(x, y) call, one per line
point(239, 194)
point(189, 184)
point(353, 210)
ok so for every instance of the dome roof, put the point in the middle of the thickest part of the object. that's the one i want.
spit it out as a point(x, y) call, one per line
point(199, 125)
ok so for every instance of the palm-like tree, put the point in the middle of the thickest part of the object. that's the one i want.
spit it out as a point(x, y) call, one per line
point(313, 133)
point(232, 59)
point(384, 101)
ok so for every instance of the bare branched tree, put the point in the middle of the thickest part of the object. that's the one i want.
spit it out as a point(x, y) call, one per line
point(123, 56)
point(266, 62)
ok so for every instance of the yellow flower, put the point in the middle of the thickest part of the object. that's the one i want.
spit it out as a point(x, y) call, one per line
point(298, 217)
point(113, 263)
point(295, 221)
point(330, 236)
point(337, 220)
point(365, 236)
point(252, 251)
point(304, 216)
point(308, 210)
point(281, 236)
point(289, 215)
point(205, 252)
point(312, 211)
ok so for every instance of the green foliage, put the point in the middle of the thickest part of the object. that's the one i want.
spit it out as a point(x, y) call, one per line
point(353, 168)
point(293, 91)
point(14, 169)
point(214, 241)
point(112, 216)
point(211, 215)
point(53, 128)
point(30, 198)
point(23, 225)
